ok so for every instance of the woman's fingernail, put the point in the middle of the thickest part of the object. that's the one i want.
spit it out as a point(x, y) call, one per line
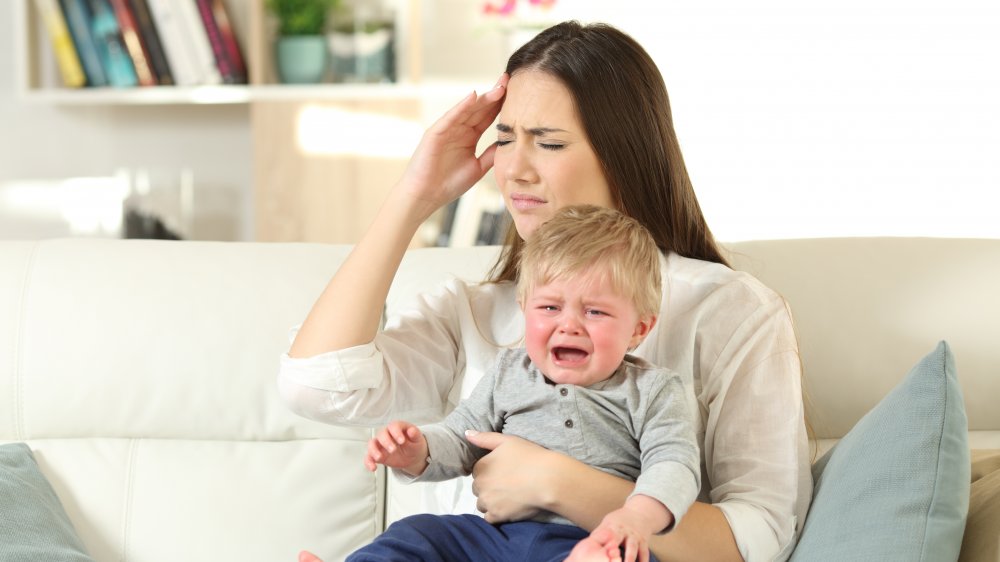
point(471, 433)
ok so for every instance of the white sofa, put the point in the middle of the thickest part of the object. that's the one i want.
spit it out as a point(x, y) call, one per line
point(142, 376)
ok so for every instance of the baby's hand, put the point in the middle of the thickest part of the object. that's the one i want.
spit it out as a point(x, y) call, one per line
point(398, 445)
point(627, 528)
point(589, 550)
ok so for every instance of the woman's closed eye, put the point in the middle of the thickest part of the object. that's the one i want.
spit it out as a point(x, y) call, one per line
point(542, 145)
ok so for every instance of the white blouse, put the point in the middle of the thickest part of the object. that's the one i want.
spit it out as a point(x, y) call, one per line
point(733, 334)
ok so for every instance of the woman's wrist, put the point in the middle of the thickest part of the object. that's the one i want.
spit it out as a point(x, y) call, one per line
point(406, 209)
point(548, 489)
point(581, 493)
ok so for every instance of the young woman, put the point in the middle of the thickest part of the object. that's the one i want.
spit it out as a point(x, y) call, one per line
point(582, 118)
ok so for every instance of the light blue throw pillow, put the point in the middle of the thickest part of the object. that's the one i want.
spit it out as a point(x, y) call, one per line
point(896, 487)
point(33, 523)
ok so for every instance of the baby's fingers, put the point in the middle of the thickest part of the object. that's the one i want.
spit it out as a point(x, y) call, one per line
point(387, 442)
point(605, 536)
point(413, 434)
point(397, 433)
point(630, 549)
point(377, 450)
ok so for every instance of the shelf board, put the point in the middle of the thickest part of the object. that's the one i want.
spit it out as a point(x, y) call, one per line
point(158, 95)
point(194, 95)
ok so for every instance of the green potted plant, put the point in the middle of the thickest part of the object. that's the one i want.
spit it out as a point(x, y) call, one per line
point(300, 49)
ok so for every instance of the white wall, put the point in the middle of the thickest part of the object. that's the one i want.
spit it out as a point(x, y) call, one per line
point(877, 117)
point(860, 117)
point(43, 142)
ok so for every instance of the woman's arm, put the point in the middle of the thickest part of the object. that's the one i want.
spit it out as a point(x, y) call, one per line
point(518, 479)
point(443, 167)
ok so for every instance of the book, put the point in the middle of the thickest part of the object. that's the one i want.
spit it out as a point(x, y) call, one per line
point(151, 39)
point(229, 38)
point(214, 17)
point(176, 46)
point(197, 36)
point(77, 14)
point(110, 46)
point(67, 58)
point(133, 43)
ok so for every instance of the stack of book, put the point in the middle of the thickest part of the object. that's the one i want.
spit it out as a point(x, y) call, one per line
point(125, 43)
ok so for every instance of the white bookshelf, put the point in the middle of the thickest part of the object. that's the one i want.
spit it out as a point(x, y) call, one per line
point(39, 81)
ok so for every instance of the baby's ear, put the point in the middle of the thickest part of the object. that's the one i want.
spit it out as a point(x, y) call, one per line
point(642, 329)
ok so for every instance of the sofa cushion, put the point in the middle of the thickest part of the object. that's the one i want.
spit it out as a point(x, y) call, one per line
point(33, 524)
point(896, 487)
point(981, 542)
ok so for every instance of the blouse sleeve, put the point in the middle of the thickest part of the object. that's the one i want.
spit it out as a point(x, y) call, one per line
point(406, 372)
point(756, 447)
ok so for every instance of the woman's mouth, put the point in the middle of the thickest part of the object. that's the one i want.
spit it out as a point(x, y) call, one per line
point(523, 202)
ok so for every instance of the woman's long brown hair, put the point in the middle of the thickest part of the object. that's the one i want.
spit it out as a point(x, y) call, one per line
point(622, 102)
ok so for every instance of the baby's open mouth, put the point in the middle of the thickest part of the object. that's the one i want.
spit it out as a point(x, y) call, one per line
point(569, 354)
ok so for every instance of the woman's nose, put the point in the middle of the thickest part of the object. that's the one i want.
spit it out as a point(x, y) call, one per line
point(519, 167)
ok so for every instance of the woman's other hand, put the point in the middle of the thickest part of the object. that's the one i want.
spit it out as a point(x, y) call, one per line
point(509, 482)
point(445, 165)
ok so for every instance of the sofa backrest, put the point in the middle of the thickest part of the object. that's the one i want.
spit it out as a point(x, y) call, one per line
point(867, 309)
point(142, 374)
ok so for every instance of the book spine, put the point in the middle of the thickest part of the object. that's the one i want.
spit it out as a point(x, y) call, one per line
point(78, 20)
point(176, 45)
point(197, 35)
point(215, 40)
point(70, 67)
point(133, 43)
point(107, 35)
point(151, 39)
point(229, 40)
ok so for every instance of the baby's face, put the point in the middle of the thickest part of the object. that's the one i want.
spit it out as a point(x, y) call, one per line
point(577, 330)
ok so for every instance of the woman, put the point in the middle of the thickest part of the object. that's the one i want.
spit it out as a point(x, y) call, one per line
point(582, 117)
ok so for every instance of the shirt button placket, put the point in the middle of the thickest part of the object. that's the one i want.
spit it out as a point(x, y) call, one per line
point(569, 422)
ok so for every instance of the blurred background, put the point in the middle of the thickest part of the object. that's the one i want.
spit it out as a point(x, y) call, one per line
point(860, 118)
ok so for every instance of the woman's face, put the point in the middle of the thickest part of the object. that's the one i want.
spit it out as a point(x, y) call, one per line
point(544, 160)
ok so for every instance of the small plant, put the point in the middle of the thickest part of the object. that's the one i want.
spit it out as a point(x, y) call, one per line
point(301, 17)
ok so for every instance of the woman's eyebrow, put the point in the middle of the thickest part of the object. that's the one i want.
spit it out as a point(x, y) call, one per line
point(536, 131)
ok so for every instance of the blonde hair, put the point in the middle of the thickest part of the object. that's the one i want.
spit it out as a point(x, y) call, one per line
point(585, 239)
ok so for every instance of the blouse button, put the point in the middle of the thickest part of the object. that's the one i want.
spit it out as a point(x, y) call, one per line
point(569, 424)
point(563, 391)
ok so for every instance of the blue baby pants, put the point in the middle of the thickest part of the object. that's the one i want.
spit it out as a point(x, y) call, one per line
point(459, 538)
